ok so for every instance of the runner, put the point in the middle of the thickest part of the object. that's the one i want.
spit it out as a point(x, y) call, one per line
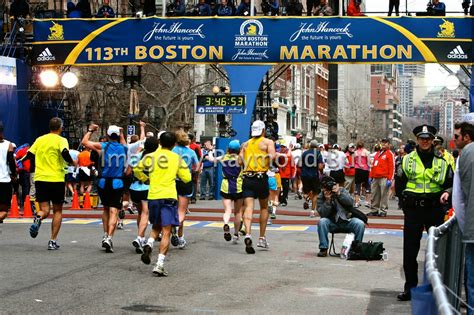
point(361, 163)
point(72, 176)
point(163, 167)
point(85, 176)
point(139, 193)
point(185, 190)
point(7, 172)
point(256, 154)
point(296, 153)
point(51, 151)
point(231, 189)
point(311, 164)
point(110, 185)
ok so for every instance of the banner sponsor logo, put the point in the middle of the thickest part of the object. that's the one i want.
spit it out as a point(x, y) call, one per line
point(251, 43)
point(447, 30)
point(457, 53)
point(161, 31)
point(323, 28)
point(46, 55)
point(56, 32)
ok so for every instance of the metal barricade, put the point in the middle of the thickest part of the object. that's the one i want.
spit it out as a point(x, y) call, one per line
point(444, 265)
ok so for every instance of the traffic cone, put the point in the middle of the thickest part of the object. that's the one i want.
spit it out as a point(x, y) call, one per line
point(27, 212)
point(75, 201)
point(87, 202)
point(14, 211)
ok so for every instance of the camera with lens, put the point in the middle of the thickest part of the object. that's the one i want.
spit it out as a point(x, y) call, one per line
point(328, 183)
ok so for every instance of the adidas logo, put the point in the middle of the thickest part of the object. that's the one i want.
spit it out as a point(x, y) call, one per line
point(457, 53)
point(46, 55)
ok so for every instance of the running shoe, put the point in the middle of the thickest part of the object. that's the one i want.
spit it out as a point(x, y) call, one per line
point(368, 205)
point(52, 245)
point(108, 245)
point(159, 237)
point(382, 213)
point(248, 245)
point(374, 213)
point(138, 246)
point(159, 270)
point(284, 204)
point(146, 256)
point(120, 225)
point(182, 243)
point(235, 239)
point(273, 215)
point(299, 195)
point(130, 210)
point(357, 205)
point(262, 243)
point(121, 214)
point(269, 222)
point(103, 240)
point(174, 237)
point(312, 214)
point(34, 228)
point(227, 235)
point(306, 204)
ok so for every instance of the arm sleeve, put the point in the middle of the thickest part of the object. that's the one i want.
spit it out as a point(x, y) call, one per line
point(183, 172)
point(11, 162)
point(391, 165)
point(139, 170)
point(66, 156)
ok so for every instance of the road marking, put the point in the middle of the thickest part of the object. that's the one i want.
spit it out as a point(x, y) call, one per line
point(81, 221)
point(209, 224)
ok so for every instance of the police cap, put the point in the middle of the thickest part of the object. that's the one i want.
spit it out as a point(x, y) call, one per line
point(425, 131)
point(438, 139)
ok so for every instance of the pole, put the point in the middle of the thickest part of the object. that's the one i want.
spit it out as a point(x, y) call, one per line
point(252, 7)
point(471, 92)
point(163, 12)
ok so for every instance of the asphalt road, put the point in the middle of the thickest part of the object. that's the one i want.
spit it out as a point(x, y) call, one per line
point(209, 276)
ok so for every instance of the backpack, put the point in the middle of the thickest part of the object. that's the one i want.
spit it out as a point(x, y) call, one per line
point(366, 251)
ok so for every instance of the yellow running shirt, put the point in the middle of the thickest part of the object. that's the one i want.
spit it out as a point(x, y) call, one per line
point(255, 159)
point(49, 163)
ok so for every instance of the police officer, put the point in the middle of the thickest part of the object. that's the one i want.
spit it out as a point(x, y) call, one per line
point(425, 176)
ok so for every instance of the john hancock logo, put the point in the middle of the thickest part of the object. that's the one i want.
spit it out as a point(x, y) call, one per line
point(251, 43)
point(447, 30)
point(57, 32)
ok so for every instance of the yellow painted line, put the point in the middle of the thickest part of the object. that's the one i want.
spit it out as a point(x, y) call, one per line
point(190, 223)
point(293, 228)
point(127, 221)
point(81, 221)
point(215, 224)
point(26, 220)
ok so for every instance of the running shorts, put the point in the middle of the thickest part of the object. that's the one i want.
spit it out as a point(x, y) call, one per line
point(231, 196)
point(338, 176)
point(50, 191)
point(272, 183)
point(111, 197)
point(6, 194)
point(184, 189)
point(255, 186)
point(163, 212)
point(311, 184)
point(138, 196)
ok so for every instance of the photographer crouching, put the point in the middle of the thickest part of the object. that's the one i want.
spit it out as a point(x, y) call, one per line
point(335, 206)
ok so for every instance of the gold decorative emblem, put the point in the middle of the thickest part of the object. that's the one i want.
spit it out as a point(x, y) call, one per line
point(57, 32)
point(447, 30)
point(252, 30)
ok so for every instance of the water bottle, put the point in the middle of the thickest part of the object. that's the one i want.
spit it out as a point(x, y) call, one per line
point(385, 256)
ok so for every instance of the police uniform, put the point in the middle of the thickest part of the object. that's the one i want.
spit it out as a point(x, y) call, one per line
point(426, 174)
point(446, 155)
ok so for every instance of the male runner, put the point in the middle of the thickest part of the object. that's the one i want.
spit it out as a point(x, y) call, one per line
point(7, 172)
point(50, 151)
point(256, 154)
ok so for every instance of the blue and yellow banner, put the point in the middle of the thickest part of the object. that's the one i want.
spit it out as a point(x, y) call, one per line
point(260, 40)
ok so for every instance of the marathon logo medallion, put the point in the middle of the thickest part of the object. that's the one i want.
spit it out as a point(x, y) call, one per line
point(447, 30)
point(251, 43)
point(57, 32)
